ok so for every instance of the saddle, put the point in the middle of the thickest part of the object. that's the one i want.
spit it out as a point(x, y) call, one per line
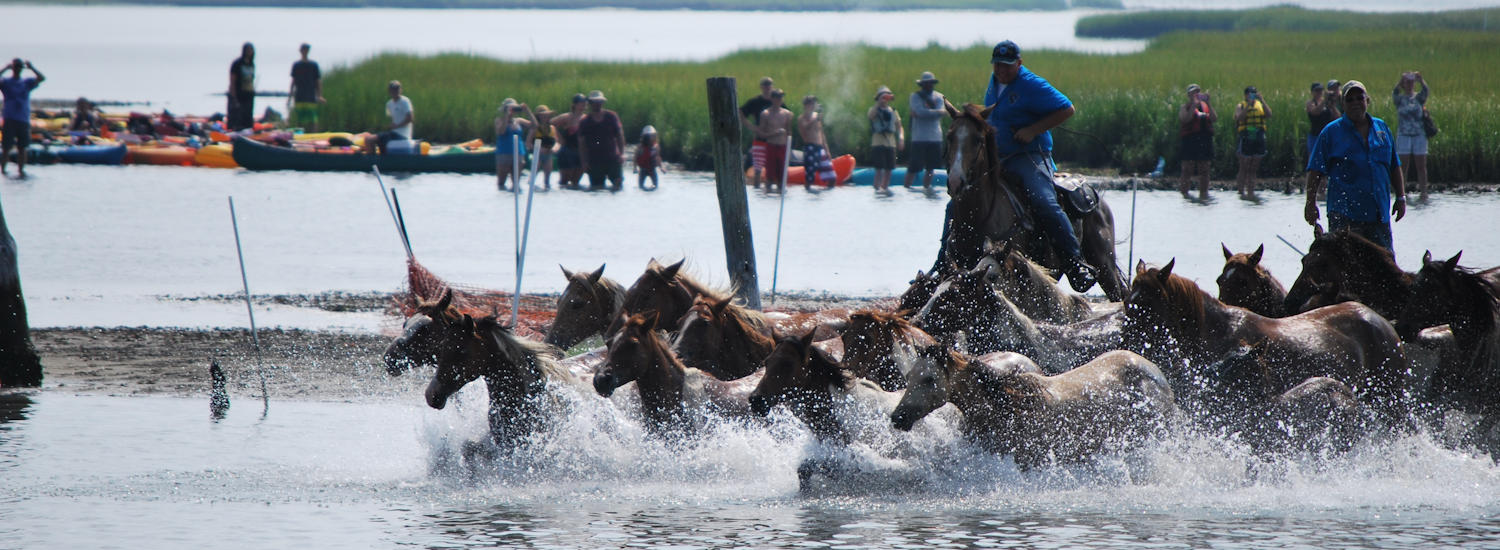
point(1076, 196)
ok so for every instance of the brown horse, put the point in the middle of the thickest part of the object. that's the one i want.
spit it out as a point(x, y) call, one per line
point(665, 289)
point(1321, 415)
point(919, 291)
point(638, 353)
point(1233, 355)
point(1034, 289)
point(1247, 284)
point(1111, 403)
point(873, 343)
point(516, 371)
point(814, 387)
point(723, 339)
point(985, 205)
point(1359, 267)
point(1468, 301)
point(585, 308)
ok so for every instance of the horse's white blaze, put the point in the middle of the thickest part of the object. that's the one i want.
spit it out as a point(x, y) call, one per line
point(956, 170)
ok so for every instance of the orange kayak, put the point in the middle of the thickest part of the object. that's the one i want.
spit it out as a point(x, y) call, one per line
point(168, 155)
point(843, 165)
point(218, 155)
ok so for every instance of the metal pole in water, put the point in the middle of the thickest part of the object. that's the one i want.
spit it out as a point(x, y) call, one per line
point(515, 308)
point(401, 225)
point(1130, 261)
point(254, 335)
point(395, 217)
point(1291, 246)
point(780, 214)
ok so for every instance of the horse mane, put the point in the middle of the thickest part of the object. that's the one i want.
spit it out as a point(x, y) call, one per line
point(1261, 273)
point(1184, 298)
point(436, 309)
point(693, 285)
point(1357, 250)
point(1477, 292)
point(891, 323)
point(521, 351)
point(823, 369)
point(656, 341)
point(753, 324)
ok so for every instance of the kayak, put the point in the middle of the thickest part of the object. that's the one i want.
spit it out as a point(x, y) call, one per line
point(843, 167)
point(218, 155)
point(254, 155)
point(75, 154)
point(866, 176)
point(164, 155)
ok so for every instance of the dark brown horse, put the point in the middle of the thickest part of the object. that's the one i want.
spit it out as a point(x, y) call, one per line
point(723, 339)
point(667, 290)
point(874, 342)
point(1247, 284)
point(814, 387)
point(668, 389)
point(1320, 416)
point(585, 308)
point(1359, 267)
point(1468, 301)
point(1231, 355)
point(985, 205)
point(917, 294)
point(1111, 403)
point(1034, 289)
point(516, 371)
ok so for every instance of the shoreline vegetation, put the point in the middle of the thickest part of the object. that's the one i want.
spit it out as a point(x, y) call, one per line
point(709, 5)
point(1154, 23)
point(1126, 103)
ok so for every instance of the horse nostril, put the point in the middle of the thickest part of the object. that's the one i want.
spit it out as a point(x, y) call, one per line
point(604, 384)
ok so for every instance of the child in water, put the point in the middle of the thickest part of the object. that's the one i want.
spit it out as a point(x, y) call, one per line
point(647, 158)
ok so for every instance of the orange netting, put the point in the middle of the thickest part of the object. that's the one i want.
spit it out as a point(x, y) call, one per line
point(534, 319)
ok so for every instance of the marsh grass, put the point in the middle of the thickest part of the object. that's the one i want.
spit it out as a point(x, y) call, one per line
point(1126, 103)
point(1150, 24)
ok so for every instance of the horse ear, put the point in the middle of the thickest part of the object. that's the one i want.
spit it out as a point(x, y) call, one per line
point(1317, 230)
point(721, 305)
point(1140, 267)
point(670, 272)
point(652, 265)
point(1260, 251)
point(953, 112)
point(446, 300)
point(594, 277)
point(985, 114)
point(919, 277)
point(1452, 262)
point(807, 341)
point(1426, 257)
point(649, 318)
point(1166, 270)
point(1227, 253)
point(467, 323)
point(566, 274)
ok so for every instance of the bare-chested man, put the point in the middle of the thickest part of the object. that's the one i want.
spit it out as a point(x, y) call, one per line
point(775, 129)
point(815, 158)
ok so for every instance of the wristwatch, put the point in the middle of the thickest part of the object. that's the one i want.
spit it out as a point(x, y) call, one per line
point(1401, 198)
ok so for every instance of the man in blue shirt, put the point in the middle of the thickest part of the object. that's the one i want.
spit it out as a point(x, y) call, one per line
point(1025, 108)
point(1356, 156)
point(17, 112)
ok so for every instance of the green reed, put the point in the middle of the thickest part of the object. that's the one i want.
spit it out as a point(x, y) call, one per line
point(1126, 103)
point(1150, 24)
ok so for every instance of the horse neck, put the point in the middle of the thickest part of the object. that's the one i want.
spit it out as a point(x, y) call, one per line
point(1037, 289)
point(661, 383)
point(744, 340)
point(524, 379)
point(1267, 294)
point(1199, 317)
point(612, 296)
point(1474, 320)
point(1010, 328)
point(1380, 284)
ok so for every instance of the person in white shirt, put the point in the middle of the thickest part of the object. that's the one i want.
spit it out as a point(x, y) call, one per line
point(400, 111)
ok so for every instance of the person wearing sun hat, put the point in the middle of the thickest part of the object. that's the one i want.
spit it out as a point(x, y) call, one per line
point(886, 138)
point(1024, 108)
point(547, 133)
point(602, 145)
point(513, 127)
point(925, 153)
point(1356, 156)
point(1196, 118)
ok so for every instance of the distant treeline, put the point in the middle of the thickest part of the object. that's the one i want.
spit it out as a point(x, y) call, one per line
point(749, 5)
point(1126, 104)
point(1150, 24)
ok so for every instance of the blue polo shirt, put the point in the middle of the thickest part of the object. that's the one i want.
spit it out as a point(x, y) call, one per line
point(1358, 170)
point(17, 98)
point(1021, 103)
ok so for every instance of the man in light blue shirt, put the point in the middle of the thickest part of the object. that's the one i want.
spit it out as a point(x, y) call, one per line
point(1356, 156)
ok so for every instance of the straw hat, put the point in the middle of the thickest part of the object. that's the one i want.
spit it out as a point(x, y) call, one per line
point(598, 96)
point(543, 110)
point(926, 77)
point(882, 91)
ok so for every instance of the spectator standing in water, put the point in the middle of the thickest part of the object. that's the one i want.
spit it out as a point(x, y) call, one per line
point(1411, 135)
point(569, 164)
point(817, 164)
point(751, 111)
point(647, 159)
point(1251, 118)
point(1196, 118)
point(307, 91)
point(1356, 156)
point(886, 138)
point(602, 145)
point(1321, 110)
point(776, 127)
point(926, 151)
point(546, 132)
point(242, 89)
point(17, 113)
point(513, 129)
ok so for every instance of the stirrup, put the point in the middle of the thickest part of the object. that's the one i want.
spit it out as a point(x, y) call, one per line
point(1081, 276)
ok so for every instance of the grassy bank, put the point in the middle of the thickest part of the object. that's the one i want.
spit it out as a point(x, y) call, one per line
point(761, 5)
point(1150, 24)
point(1126, 103)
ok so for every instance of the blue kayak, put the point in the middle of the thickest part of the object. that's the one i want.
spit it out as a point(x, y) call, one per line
point(91, 154)
point(866, 176)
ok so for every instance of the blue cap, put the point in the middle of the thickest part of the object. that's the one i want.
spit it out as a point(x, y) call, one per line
point(1006, 52)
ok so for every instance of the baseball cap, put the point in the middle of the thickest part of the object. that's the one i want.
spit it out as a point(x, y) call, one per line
point(579, 98)
point(1006, 52)
point(1251, 90)
point(882, 91)
point(1352, 84)
point(1194, 88)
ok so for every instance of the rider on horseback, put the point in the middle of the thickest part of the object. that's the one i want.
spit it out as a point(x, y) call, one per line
point(1025, 107)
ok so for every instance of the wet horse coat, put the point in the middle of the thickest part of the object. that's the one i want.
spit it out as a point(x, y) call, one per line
point(673, 396)
point(723, 339)
point(587, 306)
point(874, 342)
point(1247, 284)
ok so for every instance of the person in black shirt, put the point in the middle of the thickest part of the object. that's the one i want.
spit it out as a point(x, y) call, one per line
point(307, 91)
point(242, 89)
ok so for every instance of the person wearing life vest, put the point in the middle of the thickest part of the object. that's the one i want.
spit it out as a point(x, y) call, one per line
point(1196, 118)
point(1250, 124)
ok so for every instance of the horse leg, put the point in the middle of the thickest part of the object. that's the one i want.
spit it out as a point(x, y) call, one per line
point(1098, 243)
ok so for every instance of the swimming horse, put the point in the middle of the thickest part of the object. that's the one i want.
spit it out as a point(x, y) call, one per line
point(874, 341)
point(985, 205)
point(585, 308)
point(1468, 301)
point(1247, 284)
point(667, 290)
point(517, 372)
point(723, 339)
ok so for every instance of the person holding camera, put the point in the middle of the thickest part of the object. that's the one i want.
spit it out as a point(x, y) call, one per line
point(17, 113)
point(1250, 125)
point(512, 131)
point(1356, 156)
point(1411, 133)
point(1196, 118)
point(1321, 109)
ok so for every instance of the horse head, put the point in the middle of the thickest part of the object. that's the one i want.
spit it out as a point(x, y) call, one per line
point(1161, 306)
point(1246, 283)
point(585, 308)
point(421, 336)
point(665, 289)
point(722, 339)
point(460, 360)
point(796, 371)
point(957, 302)
point(871, 341)
point(1362, 268)
point(919, 291)
point(970, 153)
point(1439, 296)
point(632, 350)
point(928, 385)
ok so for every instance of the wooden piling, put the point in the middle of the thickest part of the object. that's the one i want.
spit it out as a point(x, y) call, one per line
point(729, 178)
point(19, 364)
